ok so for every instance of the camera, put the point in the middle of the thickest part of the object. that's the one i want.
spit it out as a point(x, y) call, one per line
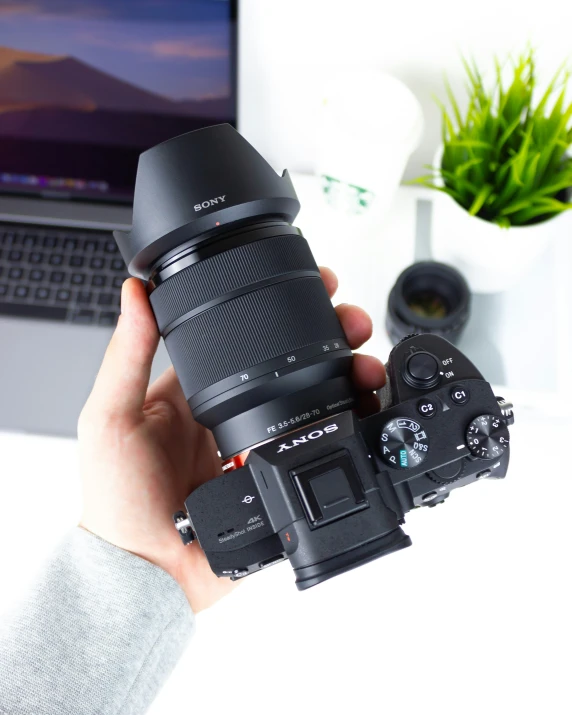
point(264, 363)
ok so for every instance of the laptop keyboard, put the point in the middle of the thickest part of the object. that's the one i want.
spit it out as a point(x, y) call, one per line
point(60, 274)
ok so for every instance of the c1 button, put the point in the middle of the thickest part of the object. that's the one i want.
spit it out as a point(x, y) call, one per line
point(459, 395)
point(426, 407)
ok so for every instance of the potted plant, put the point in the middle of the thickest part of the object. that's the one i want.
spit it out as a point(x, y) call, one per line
point(503, 175)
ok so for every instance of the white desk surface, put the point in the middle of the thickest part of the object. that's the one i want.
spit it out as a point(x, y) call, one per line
point(475, 617)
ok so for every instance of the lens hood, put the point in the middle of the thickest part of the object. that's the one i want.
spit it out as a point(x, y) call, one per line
point(194, 185)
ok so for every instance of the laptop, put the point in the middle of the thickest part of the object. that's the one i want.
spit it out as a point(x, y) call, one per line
point(84, 89)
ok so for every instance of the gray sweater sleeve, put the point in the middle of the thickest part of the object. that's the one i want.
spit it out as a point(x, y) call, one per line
point(98, 634)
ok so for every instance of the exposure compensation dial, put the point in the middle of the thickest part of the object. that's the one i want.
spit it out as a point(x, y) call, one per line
point(487, 437)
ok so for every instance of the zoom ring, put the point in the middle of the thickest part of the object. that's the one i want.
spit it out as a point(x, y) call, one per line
point(256, 327)
point(232, 270)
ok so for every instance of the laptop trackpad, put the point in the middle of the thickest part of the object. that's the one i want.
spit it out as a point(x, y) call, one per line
point(47, 371)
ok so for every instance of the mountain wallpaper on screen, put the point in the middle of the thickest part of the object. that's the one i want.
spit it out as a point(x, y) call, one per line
point(62, 98)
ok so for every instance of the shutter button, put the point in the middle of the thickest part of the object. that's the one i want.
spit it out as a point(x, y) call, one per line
point(422, 371)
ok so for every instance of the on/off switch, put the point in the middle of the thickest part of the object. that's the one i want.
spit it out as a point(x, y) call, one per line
point(421, 370)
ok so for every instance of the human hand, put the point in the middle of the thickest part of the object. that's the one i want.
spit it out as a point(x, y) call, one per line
point(142, 453)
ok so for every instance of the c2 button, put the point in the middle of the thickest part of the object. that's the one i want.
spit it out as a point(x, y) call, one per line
point(459, 395)
point(426, 407)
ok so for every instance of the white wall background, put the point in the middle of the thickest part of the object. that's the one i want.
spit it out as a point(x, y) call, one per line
point(291, 48)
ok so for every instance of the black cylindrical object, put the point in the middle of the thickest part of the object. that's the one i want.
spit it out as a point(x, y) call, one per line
point(236, 292)
point(428, 297)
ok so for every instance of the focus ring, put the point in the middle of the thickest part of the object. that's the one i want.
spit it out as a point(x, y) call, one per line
point(257, 326)
point(229, 271)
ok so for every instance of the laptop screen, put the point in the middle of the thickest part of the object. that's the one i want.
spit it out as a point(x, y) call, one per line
point(86, 86)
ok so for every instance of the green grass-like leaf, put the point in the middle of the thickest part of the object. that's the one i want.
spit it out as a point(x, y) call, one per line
point(506, 159)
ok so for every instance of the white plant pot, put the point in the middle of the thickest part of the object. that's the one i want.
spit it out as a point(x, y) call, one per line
point(491, 258)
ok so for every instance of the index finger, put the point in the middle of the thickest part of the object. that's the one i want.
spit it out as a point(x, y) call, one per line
point(330, 280)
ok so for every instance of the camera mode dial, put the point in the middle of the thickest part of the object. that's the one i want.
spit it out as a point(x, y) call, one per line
point(487, 437)
point(404, 443)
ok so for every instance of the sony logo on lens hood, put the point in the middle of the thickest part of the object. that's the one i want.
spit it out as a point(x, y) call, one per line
point(210, 202)
point(315, 434)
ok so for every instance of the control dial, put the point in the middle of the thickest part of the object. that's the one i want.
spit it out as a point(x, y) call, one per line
point(448, 473)
point(487, 436)
point(404, 443)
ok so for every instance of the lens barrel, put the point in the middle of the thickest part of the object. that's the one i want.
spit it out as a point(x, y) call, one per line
point(252, 334)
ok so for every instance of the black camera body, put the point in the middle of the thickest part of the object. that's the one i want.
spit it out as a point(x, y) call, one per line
point(260, 352)
point(333, 495)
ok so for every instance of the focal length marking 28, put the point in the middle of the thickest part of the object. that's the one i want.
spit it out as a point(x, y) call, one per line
point(404, 443)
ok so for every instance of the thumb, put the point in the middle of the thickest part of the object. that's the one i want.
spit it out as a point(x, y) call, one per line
point(123, 378)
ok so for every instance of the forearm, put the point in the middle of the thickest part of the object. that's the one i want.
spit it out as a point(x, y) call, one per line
point(100, 633)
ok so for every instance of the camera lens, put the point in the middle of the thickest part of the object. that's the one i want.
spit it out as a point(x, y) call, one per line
point(254, 339)
point(428, 297)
